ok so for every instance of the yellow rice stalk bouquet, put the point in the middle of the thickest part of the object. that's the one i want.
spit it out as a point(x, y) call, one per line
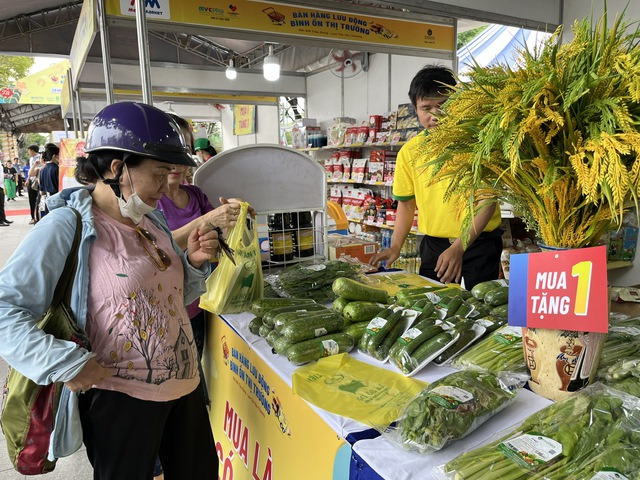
point(558, 137)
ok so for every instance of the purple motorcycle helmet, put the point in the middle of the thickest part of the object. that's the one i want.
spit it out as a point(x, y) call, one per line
point(139, 129)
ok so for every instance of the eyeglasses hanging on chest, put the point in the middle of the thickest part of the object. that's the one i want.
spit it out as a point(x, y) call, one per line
point(160, 258)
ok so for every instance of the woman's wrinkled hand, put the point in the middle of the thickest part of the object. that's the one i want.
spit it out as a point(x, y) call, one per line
point(202, 245)
point(91, 374)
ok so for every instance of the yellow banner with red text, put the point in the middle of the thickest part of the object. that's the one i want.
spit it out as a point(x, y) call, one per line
point(262, 430)
point(296, 21)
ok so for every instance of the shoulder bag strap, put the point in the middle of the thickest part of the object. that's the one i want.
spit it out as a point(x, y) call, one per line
point(65, 283)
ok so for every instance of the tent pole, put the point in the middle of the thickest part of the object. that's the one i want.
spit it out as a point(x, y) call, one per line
point(80, 124)
point(73, 103)
point(143, 52)
point(106, 52)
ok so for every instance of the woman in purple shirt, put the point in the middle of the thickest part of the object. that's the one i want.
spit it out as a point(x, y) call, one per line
point(186, 207)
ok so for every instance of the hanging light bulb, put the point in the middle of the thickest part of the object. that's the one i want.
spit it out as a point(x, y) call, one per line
point(271, 66)
point(231, 71)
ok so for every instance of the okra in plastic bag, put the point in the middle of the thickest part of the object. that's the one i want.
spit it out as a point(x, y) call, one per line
point(452, 407)
point(561, 441)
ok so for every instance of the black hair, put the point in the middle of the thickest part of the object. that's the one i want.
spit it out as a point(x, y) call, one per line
point(50, 149)
point(210, 149)
point(34, 147)
point(90, 169)
point(183, 124)
point(431, 80)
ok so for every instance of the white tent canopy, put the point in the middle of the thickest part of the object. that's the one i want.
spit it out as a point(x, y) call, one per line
point(498, 44)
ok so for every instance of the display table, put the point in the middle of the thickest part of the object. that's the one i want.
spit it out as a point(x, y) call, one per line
point(263, 431)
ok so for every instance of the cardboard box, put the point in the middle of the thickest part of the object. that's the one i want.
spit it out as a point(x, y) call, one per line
point(346, 246)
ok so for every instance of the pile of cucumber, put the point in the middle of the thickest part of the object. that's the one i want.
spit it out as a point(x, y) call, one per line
point(411, 332)
point(299, 328)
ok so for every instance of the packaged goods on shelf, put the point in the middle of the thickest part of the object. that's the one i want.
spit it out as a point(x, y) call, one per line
point(622, 244)
point(301, 136)
point(375, 125)
point(375, 122)
point(409, 133)
point(389, 121)
point(375, 171)
point(328, 167)
point(407, 117)
point(341, 246)
point(354, 203)
point(337, 131)
point(336, 195)
point(358, 169)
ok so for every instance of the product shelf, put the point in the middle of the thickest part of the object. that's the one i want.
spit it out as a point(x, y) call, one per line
point(364, 182)
point(353, 145)
point(373, 224)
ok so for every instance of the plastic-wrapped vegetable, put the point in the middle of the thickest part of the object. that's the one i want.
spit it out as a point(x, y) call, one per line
point(621, 343)
point(452, 407)
point(501, 351)
point(558, 442)
point(312, 280)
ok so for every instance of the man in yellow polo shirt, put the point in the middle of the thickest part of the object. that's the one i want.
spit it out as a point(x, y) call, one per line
point(441, 251)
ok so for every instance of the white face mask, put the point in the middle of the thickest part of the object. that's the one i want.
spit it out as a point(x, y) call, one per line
point(134, 208)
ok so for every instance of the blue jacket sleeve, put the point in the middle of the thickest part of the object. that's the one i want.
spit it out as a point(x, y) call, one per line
point(27, 283)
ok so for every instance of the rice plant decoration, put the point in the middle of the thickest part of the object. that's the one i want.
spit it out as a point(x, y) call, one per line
point(557, 137)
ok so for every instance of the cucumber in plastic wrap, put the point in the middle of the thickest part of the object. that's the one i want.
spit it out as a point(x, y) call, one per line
point(312, 280)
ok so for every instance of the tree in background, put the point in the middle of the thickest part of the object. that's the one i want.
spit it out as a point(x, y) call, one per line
point(13, 68)
point(27, 139)
point(468, 35)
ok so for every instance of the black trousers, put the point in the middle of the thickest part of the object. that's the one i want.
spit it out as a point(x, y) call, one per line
point(480, 262)
point(3, 216)
point(124, 435)
point(33, 200)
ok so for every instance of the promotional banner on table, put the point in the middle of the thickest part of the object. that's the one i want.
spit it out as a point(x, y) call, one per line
point(42, 88)
point(560, 290)
point(296, 21)
point(262, 430)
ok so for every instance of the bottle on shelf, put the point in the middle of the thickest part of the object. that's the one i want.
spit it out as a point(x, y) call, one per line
point(302, 229)
point(280, 237)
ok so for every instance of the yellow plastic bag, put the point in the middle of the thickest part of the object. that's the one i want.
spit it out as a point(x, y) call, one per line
point(232, 288)
point(343, 385)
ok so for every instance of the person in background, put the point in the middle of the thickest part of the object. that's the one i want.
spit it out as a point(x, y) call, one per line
point(3, 217)
point(49, 176)
point(187, 207)
point(10, 181)
point(33, 188)
point(20, 184)
point(25, 176)
point(34, 154)
point(204, 149)
point(441, 251)
point(135, 396)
